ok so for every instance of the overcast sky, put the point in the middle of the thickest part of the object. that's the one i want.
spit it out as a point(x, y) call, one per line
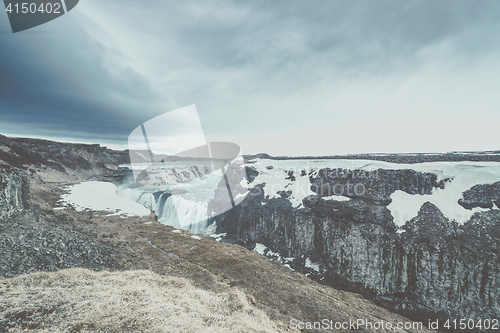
point(282, 77)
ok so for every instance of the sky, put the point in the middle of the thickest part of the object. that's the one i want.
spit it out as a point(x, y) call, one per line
point(278, 77)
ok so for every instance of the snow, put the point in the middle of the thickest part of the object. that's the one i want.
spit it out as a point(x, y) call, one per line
point(463, 176)
point(102, 196)
point(260, 248)
point(441, 169)
point(272, 253)
point(218, 237)
point(337, 198)
point(176, 231)
point(240, 196)
point(312, 265)
point(404, 206)
point(196, 237)
point(276, 181)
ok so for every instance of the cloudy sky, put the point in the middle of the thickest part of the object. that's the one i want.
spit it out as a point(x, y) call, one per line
point(282, 77)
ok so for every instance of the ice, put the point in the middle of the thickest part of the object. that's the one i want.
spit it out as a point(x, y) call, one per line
point(102, 196)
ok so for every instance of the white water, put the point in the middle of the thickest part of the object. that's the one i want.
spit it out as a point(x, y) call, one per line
point(187, 210)
point(175, 210)
point(191, 204)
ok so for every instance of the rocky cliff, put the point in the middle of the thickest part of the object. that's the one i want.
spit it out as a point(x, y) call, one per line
point(14, 192)
point(57, 161)
point(340, 231)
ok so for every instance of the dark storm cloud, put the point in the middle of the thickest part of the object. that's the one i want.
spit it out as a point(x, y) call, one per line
point(216, 54)
point(62, 81)
point(350, 34)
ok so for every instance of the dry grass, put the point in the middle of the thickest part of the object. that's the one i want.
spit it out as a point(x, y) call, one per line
point(79, 300)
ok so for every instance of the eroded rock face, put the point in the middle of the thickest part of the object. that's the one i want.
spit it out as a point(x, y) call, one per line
point(14, 192)
point(482, 195)
point(430, 266)
point(59, 156)
point(50, 161)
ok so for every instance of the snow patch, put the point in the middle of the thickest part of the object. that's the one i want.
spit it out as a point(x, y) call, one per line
point(240, 196)
point(312, 265)
point(337, 198)
point(260, 248)
point(218, 237)
point(265, 251)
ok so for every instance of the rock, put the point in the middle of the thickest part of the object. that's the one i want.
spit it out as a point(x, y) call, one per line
point(483, 195)
point(14, 192)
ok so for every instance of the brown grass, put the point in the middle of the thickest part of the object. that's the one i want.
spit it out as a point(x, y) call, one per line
point(79, 300)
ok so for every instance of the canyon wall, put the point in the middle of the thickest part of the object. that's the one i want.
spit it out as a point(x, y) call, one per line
point(430, 266)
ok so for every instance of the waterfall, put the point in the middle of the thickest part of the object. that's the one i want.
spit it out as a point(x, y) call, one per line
point(192, 199)
point(186, 211)
point(185, 214)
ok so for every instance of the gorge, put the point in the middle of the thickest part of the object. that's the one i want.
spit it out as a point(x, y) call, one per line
point(418, 238)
